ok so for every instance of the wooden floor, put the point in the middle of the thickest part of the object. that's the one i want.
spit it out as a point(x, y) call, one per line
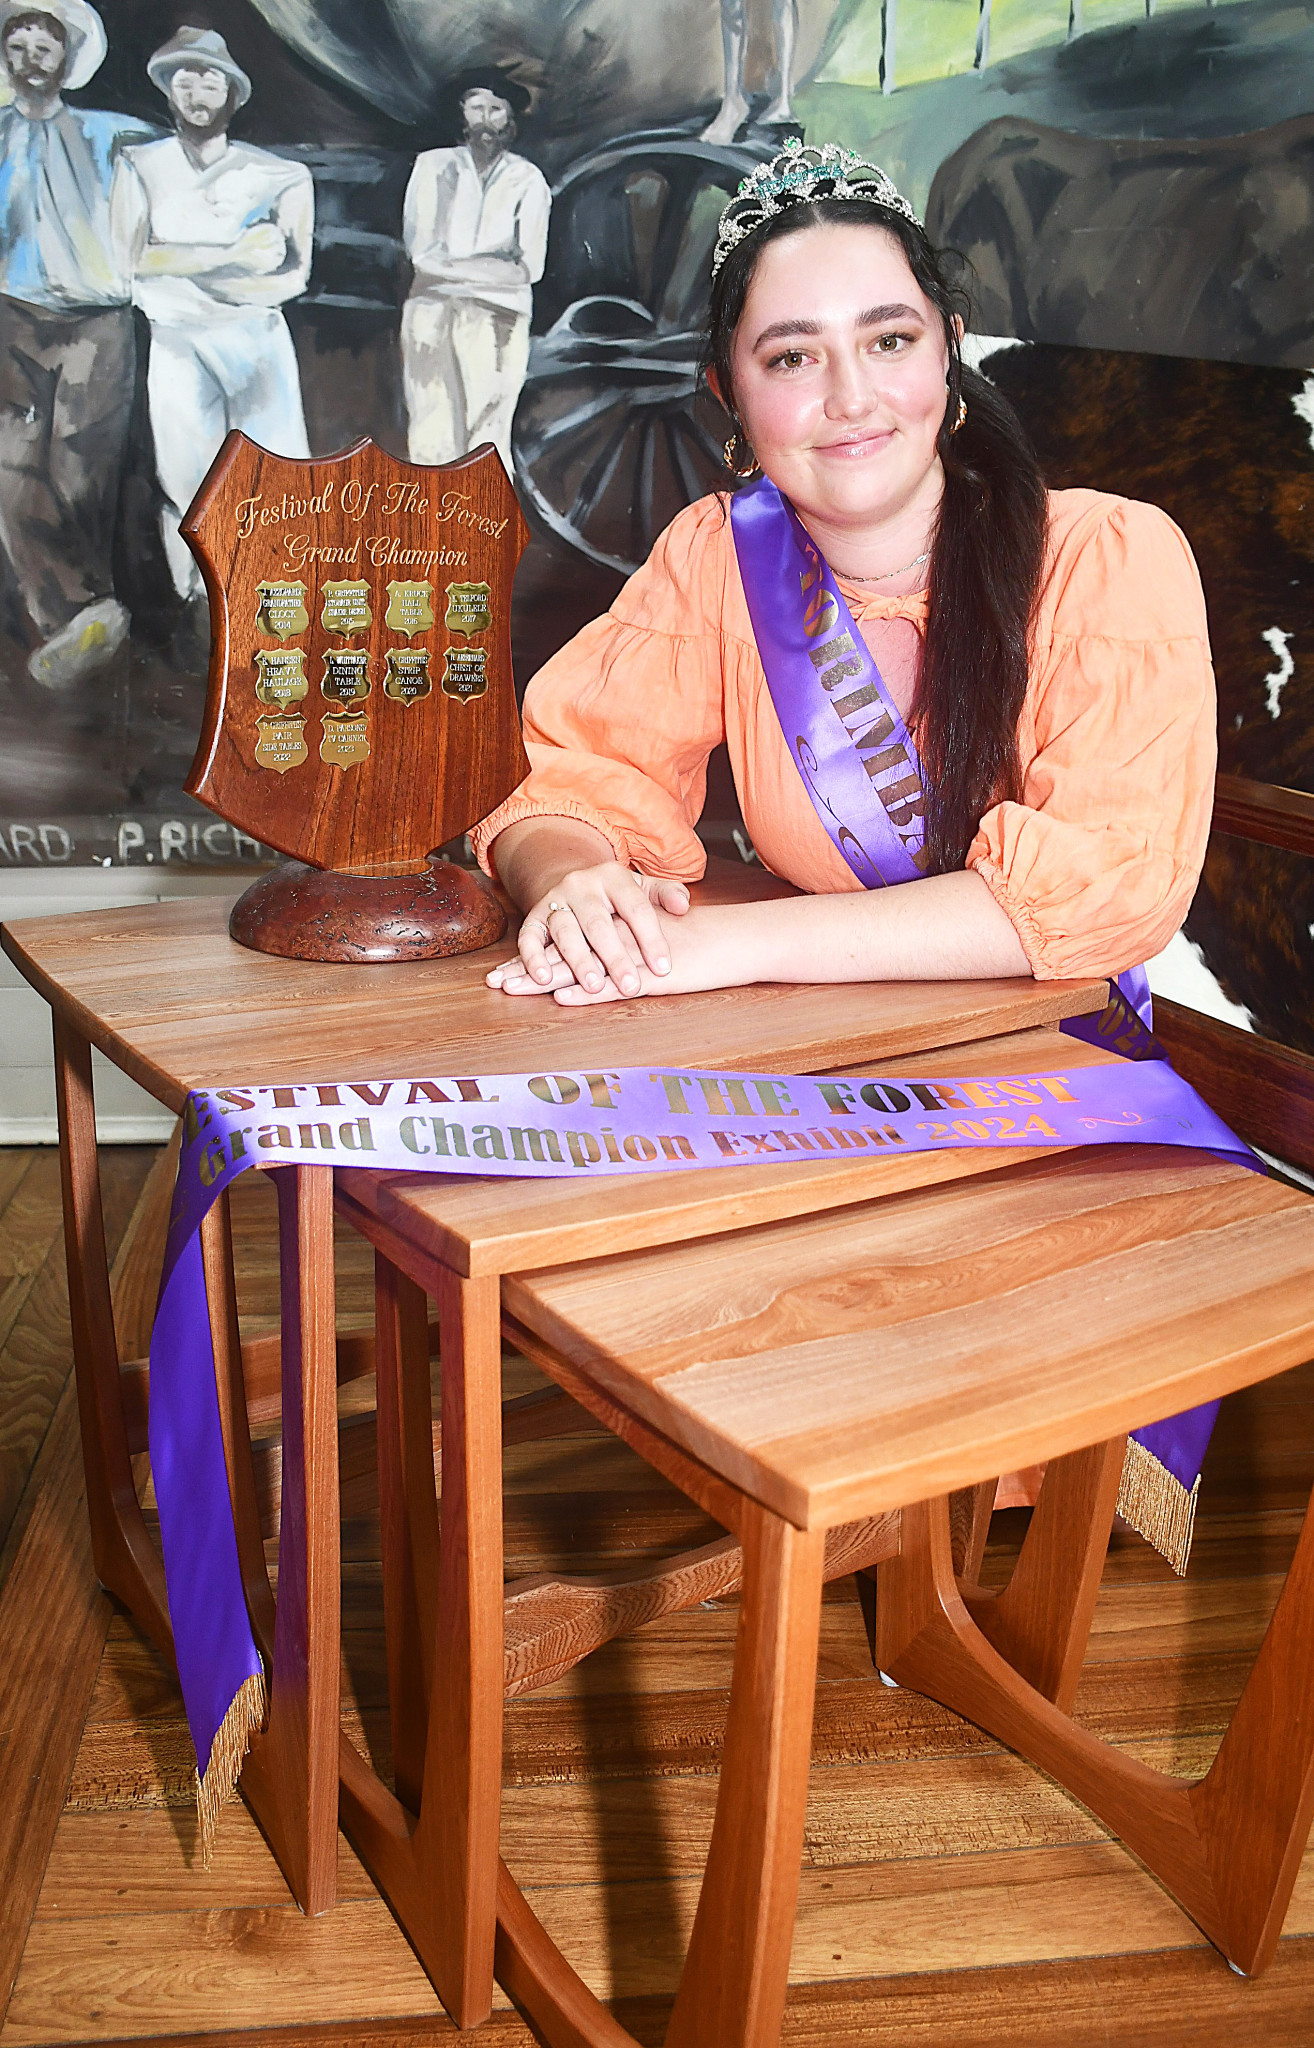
point(950, 1895)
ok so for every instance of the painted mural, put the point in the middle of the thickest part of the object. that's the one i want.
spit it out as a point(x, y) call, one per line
point(448, 221)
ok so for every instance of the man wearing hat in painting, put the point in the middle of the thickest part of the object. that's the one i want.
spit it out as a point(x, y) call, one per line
point(67, 348)
point(475, 226)
point(217, 237)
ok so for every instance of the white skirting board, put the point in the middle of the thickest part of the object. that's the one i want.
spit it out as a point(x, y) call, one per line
point(125, 1113)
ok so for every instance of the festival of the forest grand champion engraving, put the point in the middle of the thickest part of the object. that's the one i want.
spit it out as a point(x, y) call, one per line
point(353, 525)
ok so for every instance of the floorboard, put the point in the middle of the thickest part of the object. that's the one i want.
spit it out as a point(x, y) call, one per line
point(951, 1897)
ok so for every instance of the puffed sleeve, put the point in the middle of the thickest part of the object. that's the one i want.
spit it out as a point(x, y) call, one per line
point(618, 725)
point(1096, 866)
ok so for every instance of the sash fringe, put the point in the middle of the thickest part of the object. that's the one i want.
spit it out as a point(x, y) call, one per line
point(1157, 1505)
point(245, 1718)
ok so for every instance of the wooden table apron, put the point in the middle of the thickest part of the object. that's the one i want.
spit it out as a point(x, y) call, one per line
point(166, 995)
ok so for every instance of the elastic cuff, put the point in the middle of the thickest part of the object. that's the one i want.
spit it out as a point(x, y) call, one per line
point(1030, 936)
point(517, 807)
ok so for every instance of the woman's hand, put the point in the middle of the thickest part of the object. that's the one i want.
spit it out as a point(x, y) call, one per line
point(707, 948)
point(597, 927)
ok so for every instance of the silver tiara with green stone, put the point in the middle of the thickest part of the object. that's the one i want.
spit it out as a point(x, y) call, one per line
point(802, 172)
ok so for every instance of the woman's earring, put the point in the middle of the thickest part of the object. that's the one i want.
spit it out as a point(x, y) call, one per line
point(962, 415)
point(732, 460)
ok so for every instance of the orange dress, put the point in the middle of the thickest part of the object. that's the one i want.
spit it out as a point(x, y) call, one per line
point(1097, 863)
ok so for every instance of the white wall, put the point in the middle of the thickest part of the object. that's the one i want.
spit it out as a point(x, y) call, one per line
point(125, 1114)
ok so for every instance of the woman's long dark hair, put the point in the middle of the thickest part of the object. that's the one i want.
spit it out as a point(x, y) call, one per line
point(988, 548)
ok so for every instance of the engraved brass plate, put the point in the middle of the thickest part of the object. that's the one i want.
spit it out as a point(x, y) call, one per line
point(469, 608)
point(345, 740)
point(410, 608)
point(408, 674)
point(346, 674)
point(346, 608)
point(281, 676)
point(281, 742)
point(282, 611)
point(465, 673)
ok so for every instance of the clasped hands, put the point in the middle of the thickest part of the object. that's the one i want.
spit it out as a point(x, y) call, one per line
point(602, 934)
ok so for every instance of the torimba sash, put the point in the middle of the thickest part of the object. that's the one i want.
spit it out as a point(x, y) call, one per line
point(860, 767)
point(577, 1126)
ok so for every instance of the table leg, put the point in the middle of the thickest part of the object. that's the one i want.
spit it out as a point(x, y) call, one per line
point(1041, 1620)
point(732, 1992)
point(127, 1563)
point(1228, 1847)
point(291, 1774)
point(408, 1516)
point(439, 1872)
point(460, 1815)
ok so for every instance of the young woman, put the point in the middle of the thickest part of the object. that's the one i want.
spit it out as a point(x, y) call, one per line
point(1023, 734)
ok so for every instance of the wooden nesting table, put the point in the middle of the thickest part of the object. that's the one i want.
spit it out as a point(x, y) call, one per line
point(164, 993)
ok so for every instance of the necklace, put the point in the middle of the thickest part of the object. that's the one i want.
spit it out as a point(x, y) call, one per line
point(885, 574)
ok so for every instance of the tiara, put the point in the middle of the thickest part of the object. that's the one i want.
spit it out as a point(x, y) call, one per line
point(799, 173)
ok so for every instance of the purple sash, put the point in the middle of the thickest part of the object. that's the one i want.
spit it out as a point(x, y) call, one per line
point(861, 770)
point(843, 729)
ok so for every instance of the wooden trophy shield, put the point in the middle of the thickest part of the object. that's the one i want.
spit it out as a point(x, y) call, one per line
point(361, 710)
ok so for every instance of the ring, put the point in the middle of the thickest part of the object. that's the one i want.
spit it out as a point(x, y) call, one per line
point(536, 924)
point(553, 908)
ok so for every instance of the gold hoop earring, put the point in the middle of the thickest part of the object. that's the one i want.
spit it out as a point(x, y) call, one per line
point(962, 415)
point(731, 452)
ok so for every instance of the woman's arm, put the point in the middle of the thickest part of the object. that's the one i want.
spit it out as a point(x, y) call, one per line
point(947, 928)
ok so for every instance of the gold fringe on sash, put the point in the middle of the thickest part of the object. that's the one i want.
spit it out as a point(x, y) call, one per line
point(245, 1718)
point(1157, 1505)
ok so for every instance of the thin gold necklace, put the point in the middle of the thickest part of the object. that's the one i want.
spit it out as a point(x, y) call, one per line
point(885, 574)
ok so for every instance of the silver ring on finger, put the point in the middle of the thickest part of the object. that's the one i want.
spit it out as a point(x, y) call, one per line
point(536, 924)
point(553, 908)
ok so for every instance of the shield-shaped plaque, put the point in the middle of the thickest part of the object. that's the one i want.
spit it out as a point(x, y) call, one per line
point(465, 673)
point(410, 608)
point(361, 533)
point(406, 676)
point(345, 741)
point(281, 676)
point(346, 674)
point(469, 608)
point(282, 610)
point(347, 609)
point(281, 742)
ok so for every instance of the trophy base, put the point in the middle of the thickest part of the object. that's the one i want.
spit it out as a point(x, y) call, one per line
point(305, 913)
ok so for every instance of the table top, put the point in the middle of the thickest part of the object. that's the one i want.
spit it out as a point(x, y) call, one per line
point(837, 1366)
point(166, 994)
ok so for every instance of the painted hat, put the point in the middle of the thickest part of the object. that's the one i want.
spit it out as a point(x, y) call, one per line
point(82, 26)
point(490, 78)
point(196, 49)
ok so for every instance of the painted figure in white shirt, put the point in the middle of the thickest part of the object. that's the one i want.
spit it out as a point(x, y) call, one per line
point(733, 110)
point(218, 236)
point(67, 347)
point(476, 222)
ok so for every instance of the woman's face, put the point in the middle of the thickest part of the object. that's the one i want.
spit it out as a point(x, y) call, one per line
point(839, 367)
